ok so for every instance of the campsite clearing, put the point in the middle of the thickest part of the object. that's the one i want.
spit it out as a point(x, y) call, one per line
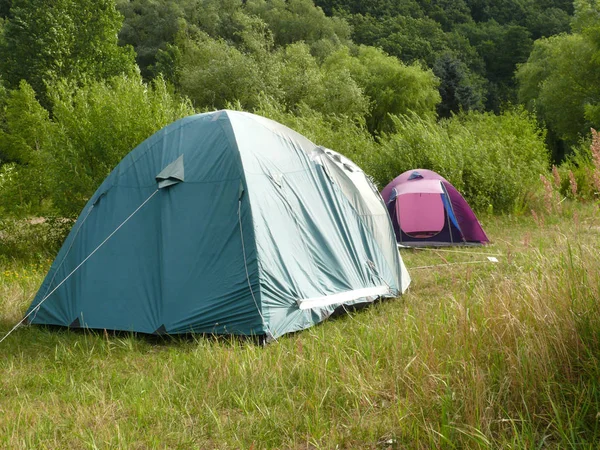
point(476, 354)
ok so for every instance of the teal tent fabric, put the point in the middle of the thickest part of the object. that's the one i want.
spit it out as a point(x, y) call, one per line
point(225, 223)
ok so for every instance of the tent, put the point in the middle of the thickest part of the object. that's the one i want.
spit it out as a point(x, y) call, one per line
point(426, 210)
point(223, 223)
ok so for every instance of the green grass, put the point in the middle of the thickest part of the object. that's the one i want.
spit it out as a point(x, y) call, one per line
point(477, 355)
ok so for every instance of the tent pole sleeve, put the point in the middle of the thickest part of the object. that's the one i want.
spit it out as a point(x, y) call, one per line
point(453, 213)
point(449, 225)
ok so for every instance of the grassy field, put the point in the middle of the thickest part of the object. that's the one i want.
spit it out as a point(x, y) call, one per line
point(475, 355)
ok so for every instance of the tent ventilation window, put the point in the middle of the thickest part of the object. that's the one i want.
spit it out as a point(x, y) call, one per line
point(172, 174)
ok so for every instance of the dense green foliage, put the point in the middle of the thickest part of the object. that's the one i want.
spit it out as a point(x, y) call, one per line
point(392, 84)
point(44, 42)
point(560, 80)
point(489, 38)
point(493, 160)
point(63, 158)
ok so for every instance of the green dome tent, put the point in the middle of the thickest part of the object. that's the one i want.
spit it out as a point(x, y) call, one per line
point(224, 223)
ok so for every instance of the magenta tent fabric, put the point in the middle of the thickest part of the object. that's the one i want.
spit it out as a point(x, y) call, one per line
point(427, 210)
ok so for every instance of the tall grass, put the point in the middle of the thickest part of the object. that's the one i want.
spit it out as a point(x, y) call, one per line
point(477, 355)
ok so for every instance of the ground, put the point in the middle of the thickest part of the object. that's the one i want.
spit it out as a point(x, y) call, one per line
point(476, 354)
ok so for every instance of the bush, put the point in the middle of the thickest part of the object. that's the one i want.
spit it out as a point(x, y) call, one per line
point(494, 160)
point(98, 125)
point(582, 166)
point(391, 86)
point(62, 159)
point(24, 141)
point(33, 239)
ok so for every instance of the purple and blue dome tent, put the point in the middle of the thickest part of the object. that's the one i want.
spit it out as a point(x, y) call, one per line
point(426, 210)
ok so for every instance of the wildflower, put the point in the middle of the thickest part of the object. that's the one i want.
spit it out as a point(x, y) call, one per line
point(572, 184)
point(556, 176)
point(548, 194)
point(595, 150)
point(539, 221)
point(596, 180)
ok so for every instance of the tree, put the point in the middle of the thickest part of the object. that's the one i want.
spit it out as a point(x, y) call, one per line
point(565, 95)
point(27, 134)
point(391, 86)
point(587, 15)
point(516, 12)
point(502, 11)
point(62, 159)
point(548, 22)
point(376, 8)
point(304, 82)
point(561, 80)
point(492, 40)
point(407, 38)
point(447, 13)
point(149, 26)
point(489, 36)
point(5, 8)
point(45, 41)
point(214, 73)
point(460, 90)
point(299, 20)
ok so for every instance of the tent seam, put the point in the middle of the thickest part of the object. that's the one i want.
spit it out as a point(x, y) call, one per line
point(242, 178)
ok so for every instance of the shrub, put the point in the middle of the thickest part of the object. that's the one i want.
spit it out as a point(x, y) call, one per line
point(391, 86)
point(98, 125)
point(32, 239)
point(61, 159)
point(584, 165)
point(494, 160)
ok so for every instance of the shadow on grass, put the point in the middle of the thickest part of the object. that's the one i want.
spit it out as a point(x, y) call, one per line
point(31, 341)
point(55, 334)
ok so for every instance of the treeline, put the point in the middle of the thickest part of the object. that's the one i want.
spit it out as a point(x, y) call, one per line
point(394, 85)
point(473, 46)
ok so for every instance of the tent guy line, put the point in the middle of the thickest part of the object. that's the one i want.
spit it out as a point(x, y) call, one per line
point(65, 257)
point(453, 264)
point(433, 249)
point(37, 307)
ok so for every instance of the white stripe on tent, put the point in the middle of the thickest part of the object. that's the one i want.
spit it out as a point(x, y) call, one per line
point(315, 302)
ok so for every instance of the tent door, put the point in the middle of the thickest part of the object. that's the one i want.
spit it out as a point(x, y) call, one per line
point(424, 217)
point(421, 215)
